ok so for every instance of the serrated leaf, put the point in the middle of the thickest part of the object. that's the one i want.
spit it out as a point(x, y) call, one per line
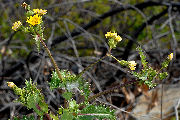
point(67, 115)
point(31, 97)
point(55, 80)
point(69, 83)
point(92, 112)
point(143, 57)
point(67, 95)
point(163, 75)
point(165, 63)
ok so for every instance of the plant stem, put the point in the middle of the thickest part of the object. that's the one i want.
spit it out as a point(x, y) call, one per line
point(111, 90)
point(115, 58)
point(50, 56)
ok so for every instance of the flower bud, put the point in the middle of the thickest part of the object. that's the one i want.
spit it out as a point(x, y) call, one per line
point(11, 84)
point(170, 56)
point(132, 65)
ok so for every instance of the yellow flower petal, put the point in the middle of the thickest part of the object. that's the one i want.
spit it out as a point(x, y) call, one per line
point(16, 25)
point(11, 84)
point(34, 20)
point(118, 38)
point(132, 65)
point(108, 34)
point(114, 36)
point(40, 11)
point(170, 56)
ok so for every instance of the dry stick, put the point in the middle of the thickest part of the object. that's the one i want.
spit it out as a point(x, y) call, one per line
point(3, 52)
point(97, 20)
point(162, 87)
point(88, 67)
point(176, 110)
point(50, 55)
point(140, 29)
point(112, 89)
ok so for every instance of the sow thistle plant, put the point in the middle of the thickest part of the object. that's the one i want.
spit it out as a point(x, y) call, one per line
point(31, 97)
point(147, 75)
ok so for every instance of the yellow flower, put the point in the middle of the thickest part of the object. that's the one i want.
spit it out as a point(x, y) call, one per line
point(16, 25)
point(114, 36)
point(113, 39)
point(24, 5)
point(11, 84)
point(118, 38)
point(34, 20)
point(132, 65)
point(108, 34)
point(40, 11)
point(111, 35)
point(170, 56)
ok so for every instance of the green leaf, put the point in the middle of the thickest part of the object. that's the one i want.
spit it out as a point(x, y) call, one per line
point(100, 112)
point(25, 118)
point(69, 82)
point(67, 115)
point(67, 95)
point(163, 75)
point(152, 74)
point(112, 43)
point(146, 76)
point(73, 106)
point(165, 63)
point(31, 97)
point(143, 57)
point(55, 80)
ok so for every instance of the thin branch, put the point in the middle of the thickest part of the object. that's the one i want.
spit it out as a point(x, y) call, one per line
point(111, 90)
point(140, 29)
point(174, 44)
point(95, 21)
point(162, 88)
point(176, 110)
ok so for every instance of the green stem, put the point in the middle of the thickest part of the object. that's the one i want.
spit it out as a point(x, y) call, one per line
point(121, 62)
point(50, 56)
point(115, 58)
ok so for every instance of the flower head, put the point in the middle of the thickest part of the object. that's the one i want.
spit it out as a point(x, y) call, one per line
point(40, 11)
point(108, 34)
point(16, 25)
point(34, 20)
point(170, 56)
point(11, 84)
point(132, 65)
point(113, 39)
point(114, 36)
point(118, 38)
point(24, 5)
